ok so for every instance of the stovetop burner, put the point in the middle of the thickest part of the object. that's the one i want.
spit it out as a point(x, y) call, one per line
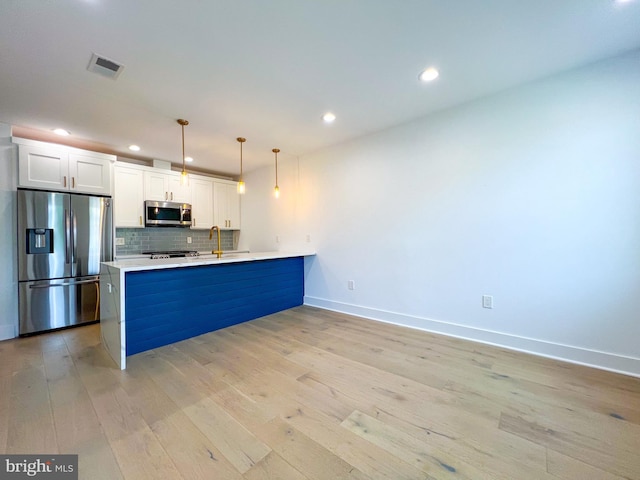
point(172, 254)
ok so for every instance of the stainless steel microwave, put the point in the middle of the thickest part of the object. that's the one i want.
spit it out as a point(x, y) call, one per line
point(167, 214)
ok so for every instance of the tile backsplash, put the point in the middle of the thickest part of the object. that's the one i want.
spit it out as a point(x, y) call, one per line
point(138, 240)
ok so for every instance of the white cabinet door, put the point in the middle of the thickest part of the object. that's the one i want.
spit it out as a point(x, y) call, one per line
point(233, 206)
point(201, 203)
point(166, 187)
point(156, 186)
point(177, 191)
point(90, 174)
point(226, 203)
point(58, 167)
point(43, 167)
point(128, 197)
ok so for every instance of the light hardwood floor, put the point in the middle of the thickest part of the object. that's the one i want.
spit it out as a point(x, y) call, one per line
point(312, 394)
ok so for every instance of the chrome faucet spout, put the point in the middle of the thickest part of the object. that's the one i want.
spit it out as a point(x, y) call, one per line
point(218, 251)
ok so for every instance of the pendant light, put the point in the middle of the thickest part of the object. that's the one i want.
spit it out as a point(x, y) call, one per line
point(183, 177)
point(241, 187)
point(276, 190)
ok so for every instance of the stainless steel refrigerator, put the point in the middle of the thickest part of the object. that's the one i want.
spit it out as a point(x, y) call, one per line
point(62, 238)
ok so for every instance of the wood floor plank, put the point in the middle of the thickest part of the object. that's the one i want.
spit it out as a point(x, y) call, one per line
point(235, 442)
point(567, 468)
point(78, 429)
point(273, 467)
point(26, 352)
point(254, 345)
point(517, 458)
point(438, 464)
point(368, 458)
point(305, 455)
point(244, 409)
point(193, 454)
point(369, 385)
point(275, 391)
point(614, 453)
point(172, 373)
point(417, 368)
point(5, 409)
point(30, 426)
point(137, 450)
point(314, 394)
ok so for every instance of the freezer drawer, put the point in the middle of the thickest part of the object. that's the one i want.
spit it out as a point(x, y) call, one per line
point(50, 304)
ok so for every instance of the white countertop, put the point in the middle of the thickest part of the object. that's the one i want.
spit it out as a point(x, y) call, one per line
point(139, 264)
point(204, 253)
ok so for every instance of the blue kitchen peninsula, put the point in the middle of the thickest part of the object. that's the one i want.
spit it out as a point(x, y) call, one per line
point(150, 303)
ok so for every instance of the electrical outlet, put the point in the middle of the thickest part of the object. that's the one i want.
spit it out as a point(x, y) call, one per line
point(308, 238)
point(277, 238)
point(188, 239)
point(119, 240)
point(351, 285)
point(487, 301)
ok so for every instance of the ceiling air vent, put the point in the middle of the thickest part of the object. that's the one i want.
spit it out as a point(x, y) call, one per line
point(104, 66)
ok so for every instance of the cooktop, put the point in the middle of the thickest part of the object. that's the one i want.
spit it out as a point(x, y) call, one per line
point(171, 253)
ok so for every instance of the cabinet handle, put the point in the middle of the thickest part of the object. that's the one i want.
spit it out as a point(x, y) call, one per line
point(64, 181)
point(194, 221)
point(171, 195)
point(140, 219)
point(73, 182)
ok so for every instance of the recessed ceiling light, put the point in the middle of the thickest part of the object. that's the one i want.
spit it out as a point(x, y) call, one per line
point(134, 148)
point(429, 74)
point(328, 117)
point(62, 132)
point(188, 159)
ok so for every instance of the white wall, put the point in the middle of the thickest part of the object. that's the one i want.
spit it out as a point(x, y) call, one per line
point(269, 223)
point(532, 196)
point(8, 264)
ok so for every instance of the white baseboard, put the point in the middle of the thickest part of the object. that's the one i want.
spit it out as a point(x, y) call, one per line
point(7, 332)
point(582, 356)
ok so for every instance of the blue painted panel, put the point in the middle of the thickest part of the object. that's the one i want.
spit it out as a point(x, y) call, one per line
point(166, 306)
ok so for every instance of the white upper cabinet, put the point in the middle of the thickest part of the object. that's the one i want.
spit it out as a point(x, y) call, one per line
point(128, 197)
point(90, 174)
point(226, 204)
point(56, 167)
point(178, 191)
point(201, 202)
point(166, 187)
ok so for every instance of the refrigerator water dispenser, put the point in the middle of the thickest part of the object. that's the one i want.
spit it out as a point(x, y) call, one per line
point(39, 240)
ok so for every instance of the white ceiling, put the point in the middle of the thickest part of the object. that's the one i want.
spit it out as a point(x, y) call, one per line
point(268, 70)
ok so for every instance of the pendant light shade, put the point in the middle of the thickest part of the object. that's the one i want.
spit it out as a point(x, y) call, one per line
point(276, 190)
point(241, 187)
point(183, 177)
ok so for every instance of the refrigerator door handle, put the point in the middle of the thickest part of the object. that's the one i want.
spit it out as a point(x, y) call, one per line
point(67, 236)
point(75, 237)
point(66, 284)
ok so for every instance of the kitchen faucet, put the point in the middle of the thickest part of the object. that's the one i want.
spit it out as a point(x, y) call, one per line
point(217, 252)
